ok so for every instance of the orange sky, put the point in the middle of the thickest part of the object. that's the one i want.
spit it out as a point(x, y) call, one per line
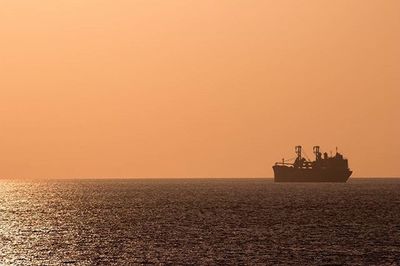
point(125, 88)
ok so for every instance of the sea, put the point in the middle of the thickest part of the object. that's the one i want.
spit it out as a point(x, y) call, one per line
point(199, 222)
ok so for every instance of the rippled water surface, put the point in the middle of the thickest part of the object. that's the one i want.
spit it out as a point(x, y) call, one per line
point(225, 221)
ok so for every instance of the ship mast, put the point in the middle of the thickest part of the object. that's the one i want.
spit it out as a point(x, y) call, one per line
point(317, 153)
point(298, 152)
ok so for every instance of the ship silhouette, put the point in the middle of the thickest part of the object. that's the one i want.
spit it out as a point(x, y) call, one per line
point(324, 169)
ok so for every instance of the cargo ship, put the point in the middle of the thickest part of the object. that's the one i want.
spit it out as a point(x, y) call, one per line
point(325, 168)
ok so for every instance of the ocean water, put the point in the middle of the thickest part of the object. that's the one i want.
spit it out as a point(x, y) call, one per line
point(200, 221)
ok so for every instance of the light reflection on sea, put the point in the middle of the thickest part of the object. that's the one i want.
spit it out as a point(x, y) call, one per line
point(183, 221)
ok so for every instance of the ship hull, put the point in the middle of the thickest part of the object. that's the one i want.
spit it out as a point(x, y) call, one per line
point(291, 174)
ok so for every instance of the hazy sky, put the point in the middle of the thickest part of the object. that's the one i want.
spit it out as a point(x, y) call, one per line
point(126, 88)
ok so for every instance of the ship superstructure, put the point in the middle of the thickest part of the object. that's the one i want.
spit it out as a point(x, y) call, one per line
point(324, 168)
